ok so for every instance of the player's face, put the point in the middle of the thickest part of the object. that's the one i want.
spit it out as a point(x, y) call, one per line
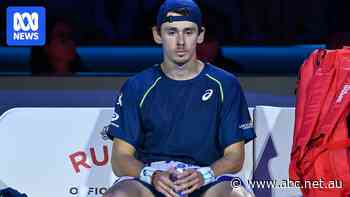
point(179, 40)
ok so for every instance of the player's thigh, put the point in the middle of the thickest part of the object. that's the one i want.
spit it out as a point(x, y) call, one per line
point(128, 188)
point(225, 189)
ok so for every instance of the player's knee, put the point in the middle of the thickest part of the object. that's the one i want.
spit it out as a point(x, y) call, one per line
point(117, 193)
point(241, 192)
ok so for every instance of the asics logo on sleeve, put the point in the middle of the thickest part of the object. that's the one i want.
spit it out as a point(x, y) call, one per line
point(115, 116)
point(208, 93)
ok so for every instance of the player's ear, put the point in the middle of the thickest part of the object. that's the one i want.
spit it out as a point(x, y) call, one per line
point(156, 35)
point(200, 38)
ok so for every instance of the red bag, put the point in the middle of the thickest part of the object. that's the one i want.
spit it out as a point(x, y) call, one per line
point(321, 145)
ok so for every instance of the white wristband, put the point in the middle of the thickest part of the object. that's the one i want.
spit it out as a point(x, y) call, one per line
point(208, 175)
point(146, 174)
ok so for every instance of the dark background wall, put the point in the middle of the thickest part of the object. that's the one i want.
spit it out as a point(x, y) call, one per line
point(106, 22)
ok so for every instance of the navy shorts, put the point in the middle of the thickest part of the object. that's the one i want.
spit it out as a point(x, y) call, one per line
point(164, 165)
point(197, 193)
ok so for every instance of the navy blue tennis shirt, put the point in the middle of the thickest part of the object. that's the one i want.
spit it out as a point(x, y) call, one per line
point(192, 121)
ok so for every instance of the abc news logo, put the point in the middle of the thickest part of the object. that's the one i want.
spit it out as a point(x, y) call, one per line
point(25, 26)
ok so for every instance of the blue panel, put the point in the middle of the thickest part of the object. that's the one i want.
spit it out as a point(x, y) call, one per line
point(14, 59)
point(286, 59)
point(120, 59)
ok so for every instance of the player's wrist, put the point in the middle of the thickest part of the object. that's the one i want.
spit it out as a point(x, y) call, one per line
point(207, 174)
point(146, 174)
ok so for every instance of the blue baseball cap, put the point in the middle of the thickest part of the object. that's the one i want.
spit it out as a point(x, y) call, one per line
point(194, 13)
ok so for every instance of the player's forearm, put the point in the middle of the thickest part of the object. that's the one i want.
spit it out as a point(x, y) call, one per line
point(126, 165)
point(230, 163)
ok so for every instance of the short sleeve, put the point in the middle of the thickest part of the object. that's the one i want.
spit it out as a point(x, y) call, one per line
point(235, 122)
point(125, 123)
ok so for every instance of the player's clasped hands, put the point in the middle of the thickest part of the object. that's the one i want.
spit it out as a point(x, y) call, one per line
point(171, 183)
point(189, 180)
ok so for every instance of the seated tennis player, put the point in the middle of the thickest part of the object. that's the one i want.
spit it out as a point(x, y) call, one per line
point(179, 128)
